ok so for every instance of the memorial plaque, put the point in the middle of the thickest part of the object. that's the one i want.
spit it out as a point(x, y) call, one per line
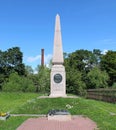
point(57, 78)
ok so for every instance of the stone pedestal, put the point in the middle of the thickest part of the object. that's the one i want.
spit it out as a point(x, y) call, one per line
point(59, 115)
point(58, 81)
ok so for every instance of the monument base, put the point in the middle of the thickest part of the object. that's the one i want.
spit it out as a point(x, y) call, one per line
point(59, 115)
point(58, 86)
point(56, 95)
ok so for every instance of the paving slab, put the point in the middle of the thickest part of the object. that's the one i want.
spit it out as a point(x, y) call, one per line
point(77, 123)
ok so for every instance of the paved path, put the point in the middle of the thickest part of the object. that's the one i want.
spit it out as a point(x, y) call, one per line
point(31, 115)
point(77, 123)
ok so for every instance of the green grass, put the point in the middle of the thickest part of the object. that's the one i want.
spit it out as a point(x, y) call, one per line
point(10, 101)
point(12, 123)
point(98, 111)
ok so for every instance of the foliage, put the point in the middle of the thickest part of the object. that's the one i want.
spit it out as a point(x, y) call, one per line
point(78, 64)
point(114, 85)
point(78, 59)
point(94, 69)
point(11, 61)
point(2, 80)
point(29, 70)
point(74, 82)
point(84, 69)
point(97, 78)
point(84, 60)
point(17, 83)
point(96, 57)
point(43, 79)
point(108, 63)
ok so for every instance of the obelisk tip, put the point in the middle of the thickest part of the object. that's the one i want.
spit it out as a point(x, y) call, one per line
point(57, 15)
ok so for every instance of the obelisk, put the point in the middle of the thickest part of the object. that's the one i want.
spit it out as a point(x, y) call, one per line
point(58, 76)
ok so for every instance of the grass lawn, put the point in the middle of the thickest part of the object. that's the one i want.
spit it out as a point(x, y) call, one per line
point(12, 123)
point(10, 101)
point(104, 114)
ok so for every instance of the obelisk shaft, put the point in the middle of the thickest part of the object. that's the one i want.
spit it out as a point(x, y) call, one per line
point(58, 51)
point(58, 76)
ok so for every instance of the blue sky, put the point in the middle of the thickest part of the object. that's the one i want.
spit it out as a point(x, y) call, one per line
point(29, 24)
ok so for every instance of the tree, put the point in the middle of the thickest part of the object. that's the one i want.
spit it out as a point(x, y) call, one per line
point(11, 61)
point(79, 59)
point(43, 77)
point(83, 60)
point(97, 57)
point(97, 79)
point(74, 82)
point(108, 63)
point(18, 83)
point(29, 70)
point(15, 59)
point(79, 69)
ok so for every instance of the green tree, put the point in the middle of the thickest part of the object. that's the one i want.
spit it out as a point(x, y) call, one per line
point(78, 64)
point(29, 70)
point(108, 63)
point(18, 83)
point(74, 82)
point(114, 85)
point(79, 59)
point(97, 79)
point(11, 61)
point(83, 60)
point(96, 57)
point(43, 77)
point(15, 59)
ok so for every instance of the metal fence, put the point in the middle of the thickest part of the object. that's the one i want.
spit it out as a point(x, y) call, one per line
point(108, 95)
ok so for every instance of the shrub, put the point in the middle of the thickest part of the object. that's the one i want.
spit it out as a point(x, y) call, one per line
point(97, 78)
point(17, 83)
point(114, 85)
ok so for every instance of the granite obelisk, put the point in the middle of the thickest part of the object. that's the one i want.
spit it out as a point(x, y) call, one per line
point(58, 76)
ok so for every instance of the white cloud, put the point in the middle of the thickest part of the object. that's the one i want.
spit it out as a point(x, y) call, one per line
point(47, 58)
point(104, 51)
point(33, 58)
